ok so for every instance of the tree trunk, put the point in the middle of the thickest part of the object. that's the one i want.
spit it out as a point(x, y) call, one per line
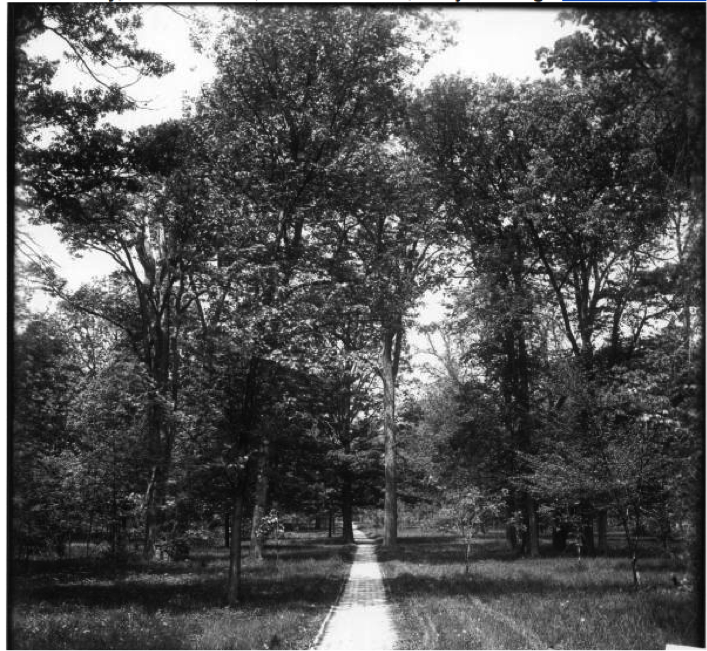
point(227, 530)
point(330, 532)
point(160, 451)
point(259, 508)
point(88, 535)
point(602, 520)
point(347, 509)
point(634, 570)
point(533, 541)
point(512, 536)
point(559, 537)
point(588, 533)
point(234, 565)
point(519, 372)
point(511, 530)
point(239, 482)
point(151, 533)
point(390, 507)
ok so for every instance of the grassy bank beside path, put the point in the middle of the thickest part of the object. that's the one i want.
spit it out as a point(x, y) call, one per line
point(515, 603)
point(84, 605)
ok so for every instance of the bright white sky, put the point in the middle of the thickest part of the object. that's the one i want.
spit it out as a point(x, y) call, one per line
point(490, 40)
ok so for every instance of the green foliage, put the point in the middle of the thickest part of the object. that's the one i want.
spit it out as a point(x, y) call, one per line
point(657, 55)
point(109, 420)
point(269, 526)
point(98, 39)
point(272, 247)
point(46, 375)
point(469, 511)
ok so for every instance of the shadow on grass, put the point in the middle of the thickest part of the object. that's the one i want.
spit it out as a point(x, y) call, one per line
point(307, 574)
point(457, 584)
point(284, 554)
point(301, 549)
point(258, 592)
point(443, 550)
point(510, 573)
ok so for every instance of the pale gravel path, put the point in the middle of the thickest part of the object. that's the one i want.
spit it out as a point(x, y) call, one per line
point(361, 619)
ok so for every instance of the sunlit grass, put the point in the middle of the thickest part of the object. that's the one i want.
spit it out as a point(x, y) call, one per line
point(515, 603)
point(180, 605)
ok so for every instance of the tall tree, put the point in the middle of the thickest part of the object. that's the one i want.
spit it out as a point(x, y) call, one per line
point(297, 92)
point(479, 152)
point(393, 249)
point(615, 194)
point(127, 198)
point(66, 162)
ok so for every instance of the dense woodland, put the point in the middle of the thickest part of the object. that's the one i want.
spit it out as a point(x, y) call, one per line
point(243, 366)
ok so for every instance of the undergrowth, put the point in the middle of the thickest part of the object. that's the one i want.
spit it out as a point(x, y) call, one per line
point(93, 605)
point(506, 602)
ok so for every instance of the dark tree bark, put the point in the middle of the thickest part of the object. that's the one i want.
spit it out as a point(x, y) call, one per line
point(602, 518)
point(239, 478)
point(518, 374)
point(511, 537)
point(261, 498)
point(533, 538)
point(388, 367)
point(347, 508)
point(588, 530)
point(234, 561)
point(559, 537)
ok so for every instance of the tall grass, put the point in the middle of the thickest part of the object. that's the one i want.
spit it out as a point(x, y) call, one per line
point(514, 603)
point(86, 605)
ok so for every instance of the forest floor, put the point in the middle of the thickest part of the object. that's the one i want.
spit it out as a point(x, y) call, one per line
point(506, 602)
point(89, 604)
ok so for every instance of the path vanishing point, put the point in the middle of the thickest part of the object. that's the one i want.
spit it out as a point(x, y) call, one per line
point(361, 619)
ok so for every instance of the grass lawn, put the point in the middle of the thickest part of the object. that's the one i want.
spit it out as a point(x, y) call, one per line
point(514, 603)
point(77, 604)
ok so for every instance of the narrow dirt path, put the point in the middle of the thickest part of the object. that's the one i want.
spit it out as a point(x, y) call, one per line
point(361, 619)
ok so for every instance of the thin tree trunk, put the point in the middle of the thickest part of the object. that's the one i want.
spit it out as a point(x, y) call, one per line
point(148, 549)
point(533, 540)
point(227, 530)
point(347, 509)
point(90, 531)
point(588, 533)
point(234, 564)
point(517, 351)
point(631, 542)
point(261, 498)
point(114, 502)
point(602, 521)
point(511, 530)
point(390, 506)
point(160, 451)
point(559, 537)
point(240, 482)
